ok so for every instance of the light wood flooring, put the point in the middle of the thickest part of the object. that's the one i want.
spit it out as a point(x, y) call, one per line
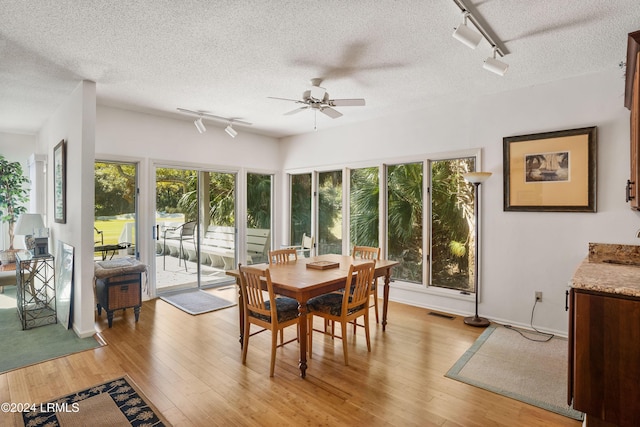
point(190, 368)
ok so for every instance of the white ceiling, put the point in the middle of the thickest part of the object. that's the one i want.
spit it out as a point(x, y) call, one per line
point(227, 56)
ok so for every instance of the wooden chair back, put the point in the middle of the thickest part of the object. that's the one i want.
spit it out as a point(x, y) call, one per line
point(253, 295)
point(283, 256)
point(365, 252)
point(360, 276)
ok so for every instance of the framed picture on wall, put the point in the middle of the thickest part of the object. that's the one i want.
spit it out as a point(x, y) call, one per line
point(551, 171)
point(60, 183)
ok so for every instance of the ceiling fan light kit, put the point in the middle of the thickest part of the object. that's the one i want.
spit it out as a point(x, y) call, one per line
point(471, 38)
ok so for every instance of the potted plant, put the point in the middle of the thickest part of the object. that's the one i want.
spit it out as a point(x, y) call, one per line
point(13, 196)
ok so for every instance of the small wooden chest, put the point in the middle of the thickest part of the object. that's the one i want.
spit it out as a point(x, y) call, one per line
point(119, 292)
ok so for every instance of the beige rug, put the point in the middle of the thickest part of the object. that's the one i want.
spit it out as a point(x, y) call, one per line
point(504, 362)
point(113, 404)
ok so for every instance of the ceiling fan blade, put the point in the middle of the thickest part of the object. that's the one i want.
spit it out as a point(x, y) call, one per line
point(355, 102)
point(297, 110)
point(334, 114)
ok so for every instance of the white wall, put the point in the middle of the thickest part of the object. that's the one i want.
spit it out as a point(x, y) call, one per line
point(74, 121)
point(522, 252)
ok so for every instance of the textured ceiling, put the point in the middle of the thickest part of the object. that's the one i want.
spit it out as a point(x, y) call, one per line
point(227, 57)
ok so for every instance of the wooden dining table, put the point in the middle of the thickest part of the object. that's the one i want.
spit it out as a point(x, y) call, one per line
point(296, 280)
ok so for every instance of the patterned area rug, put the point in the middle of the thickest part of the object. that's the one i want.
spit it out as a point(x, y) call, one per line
point(114, 403)
point(504, 362)
point(195, 301)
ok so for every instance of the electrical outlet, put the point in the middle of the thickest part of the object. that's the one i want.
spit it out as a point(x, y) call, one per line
point(539, 296)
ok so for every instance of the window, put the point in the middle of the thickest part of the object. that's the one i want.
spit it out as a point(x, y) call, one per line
point(330, 212)
point(404, 220)
point(259, 188)
point(364, 215)
point(452, 224)
point(300, 207)
point(427, 215)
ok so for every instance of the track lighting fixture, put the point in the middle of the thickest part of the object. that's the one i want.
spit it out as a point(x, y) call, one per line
point(204, 114)
point(231, 131)
point(494, 65)
point(465, 34)
point(200, 125)
point(472, 39)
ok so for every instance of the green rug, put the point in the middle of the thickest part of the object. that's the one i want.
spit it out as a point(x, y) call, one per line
point(23, 348)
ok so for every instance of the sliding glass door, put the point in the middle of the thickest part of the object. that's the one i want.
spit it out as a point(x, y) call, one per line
point(115, 217)
point(195, 235)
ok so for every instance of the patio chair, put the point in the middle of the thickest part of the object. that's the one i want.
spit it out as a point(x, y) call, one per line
point(305, 247)
point(184, 232)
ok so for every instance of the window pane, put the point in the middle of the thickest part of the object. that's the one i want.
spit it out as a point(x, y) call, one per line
point(115, 208)
point(330, 212)
point(364, 221)
point(258, 217)
point(404, 207)
point(300, 207)
point(452, 224)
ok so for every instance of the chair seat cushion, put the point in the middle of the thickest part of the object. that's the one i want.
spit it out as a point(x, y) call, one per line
point(328, 303)
point(287, 309)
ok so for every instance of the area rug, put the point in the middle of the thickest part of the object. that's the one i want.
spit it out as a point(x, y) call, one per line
point(504, 362)
point(115, 403)
point(34, 345)
point(196, 301)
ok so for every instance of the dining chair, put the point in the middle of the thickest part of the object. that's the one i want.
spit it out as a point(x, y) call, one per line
point(369, 252)
point(274, 314)
point(345, 307)
point(282, 256)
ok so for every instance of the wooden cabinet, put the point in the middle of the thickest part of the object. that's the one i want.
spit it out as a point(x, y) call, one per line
point(632, 102)
point(604, 357)
point(119, 292)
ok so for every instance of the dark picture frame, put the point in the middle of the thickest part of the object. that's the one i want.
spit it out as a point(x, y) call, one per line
point(551, 171)
point(60, 182)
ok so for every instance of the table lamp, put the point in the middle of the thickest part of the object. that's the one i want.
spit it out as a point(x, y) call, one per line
point(36, 236)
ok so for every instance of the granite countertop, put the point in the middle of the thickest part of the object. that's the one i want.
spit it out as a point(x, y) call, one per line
point(611, 269)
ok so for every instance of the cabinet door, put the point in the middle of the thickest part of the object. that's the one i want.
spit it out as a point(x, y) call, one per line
point(607, 358)
point(633, 186)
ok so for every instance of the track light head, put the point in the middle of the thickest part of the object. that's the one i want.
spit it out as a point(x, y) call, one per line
point(200, 125)
point(466, 35)
point(494, 65)
point(231, 131)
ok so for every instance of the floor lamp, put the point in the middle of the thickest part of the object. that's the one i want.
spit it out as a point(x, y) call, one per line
point(476, 178)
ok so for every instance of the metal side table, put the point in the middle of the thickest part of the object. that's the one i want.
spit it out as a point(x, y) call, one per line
point(36, 292)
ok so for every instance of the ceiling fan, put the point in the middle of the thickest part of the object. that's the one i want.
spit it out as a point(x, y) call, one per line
point(316, 98)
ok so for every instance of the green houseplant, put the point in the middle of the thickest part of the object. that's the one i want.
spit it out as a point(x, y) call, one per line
point(13, 196)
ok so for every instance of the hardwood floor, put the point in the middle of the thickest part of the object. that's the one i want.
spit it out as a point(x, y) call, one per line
point(190, 368)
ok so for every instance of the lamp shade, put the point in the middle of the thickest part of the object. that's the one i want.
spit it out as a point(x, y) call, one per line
point(476, 177)
point(27, 223)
